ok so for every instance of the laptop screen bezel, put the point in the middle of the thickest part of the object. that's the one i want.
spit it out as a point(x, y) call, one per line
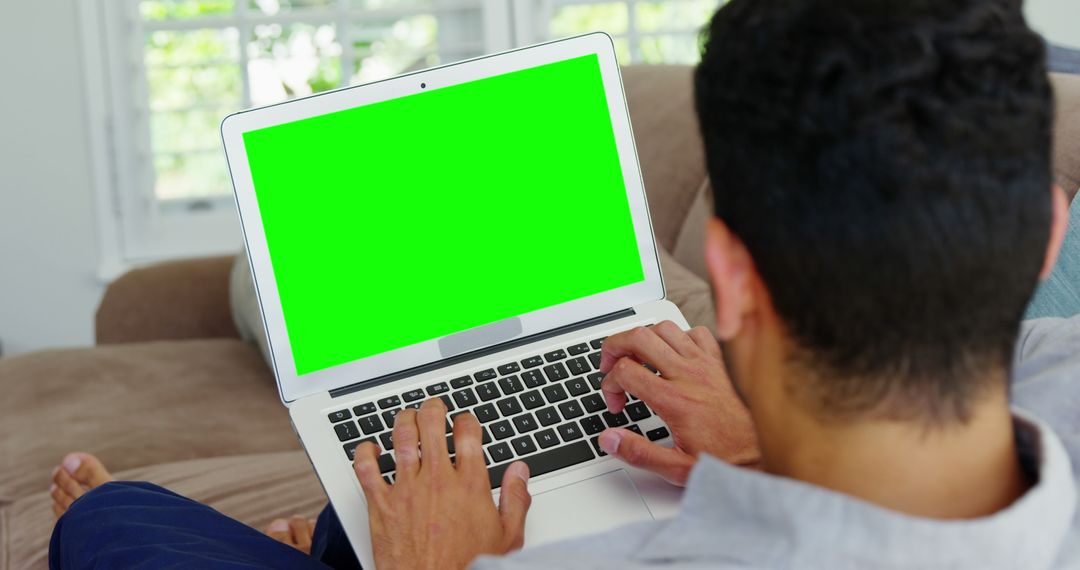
point(292, 386)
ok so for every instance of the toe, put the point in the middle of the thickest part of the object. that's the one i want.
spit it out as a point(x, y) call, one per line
point(61, 499)
point(67, 484)
point(279, 531)
point(301, 532)
point(87, 469)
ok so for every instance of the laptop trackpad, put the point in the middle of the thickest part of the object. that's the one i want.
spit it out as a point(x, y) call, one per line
point(587, 507)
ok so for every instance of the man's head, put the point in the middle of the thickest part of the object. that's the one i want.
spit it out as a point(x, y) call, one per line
point(882, 191)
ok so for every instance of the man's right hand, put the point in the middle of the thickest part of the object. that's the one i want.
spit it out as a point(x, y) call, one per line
point(692, 394)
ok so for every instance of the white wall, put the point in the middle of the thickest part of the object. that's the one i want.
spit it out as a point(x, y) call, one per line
point(1057, 20)
point(48, 240)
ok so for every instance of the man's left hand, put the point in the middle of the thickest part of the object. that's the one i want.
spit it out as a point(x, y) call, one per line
point(439, 514)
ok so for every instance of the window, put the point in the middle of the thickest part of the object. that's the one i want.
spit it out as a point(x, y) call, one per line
point(163, 73)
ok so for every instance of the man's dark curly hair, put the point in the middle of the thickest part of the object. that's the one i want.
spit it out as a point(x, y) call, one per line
point(887, 165)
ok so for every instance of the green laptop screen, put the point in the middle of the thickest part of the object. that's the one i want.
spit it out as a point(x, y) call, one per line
point(414, 218)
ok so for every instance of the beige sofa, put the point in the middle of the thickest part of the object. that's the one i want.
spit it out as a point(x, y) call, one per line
point(172, 395)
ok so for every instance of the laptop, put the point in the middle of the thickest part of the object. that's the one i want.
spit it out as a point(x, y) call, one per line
point(470, 232)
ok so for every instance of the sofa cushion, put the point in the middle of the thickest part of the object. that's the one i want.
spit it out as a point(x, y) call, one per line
point(1067, 132)
point(253, 489)
point(135, 405)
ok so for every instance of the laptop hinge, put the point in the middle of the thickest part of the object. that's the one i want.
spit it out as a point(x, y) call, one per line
point(379, 381)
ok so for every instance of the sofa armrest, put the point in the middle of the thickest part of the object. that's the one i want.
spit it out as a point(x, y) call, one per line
point(173, 300)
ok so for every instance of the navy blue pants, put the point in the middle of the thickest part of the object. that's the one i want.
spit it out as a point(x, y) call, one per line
point(140, 525)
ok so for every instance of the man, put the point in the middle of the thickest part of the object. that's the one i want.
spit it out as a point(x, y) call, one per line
point(884, 210)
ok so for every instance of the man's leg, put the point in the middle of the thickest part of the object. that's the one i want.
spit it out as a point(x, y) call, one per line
point(329, 544)
point(133, 524)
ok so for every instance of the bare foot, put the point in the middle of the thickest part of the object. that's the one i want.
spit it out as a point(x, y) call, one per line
point(77, 473)
point(295, 531)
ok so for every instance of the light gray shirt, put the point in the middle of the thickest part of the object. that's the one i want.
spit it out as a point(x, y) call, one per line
point(737, 518)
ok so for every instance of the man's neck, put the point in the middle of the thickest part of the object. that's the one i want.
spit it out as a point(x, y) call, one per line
point(956, 471)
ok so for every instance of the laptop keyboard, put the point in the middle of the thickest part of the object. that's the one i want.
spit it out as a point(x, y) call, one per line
point(546, 410)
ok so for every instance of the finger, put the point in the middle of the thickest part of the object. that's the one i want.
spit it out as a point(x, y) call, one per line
point(366, 466)
point(629, 376)
point(301, 532)
point(671, 464)
point(68, 484)
point(641, 344)
point(677, 338)
point(467, 443)
point(705, 340)
point(514, 502)
point(432, 423)
point(406, 444)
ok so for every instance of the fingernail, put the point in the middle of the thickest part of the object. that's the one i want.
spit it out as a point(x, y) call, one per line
point(609, 441)
point(519, 470)
point(279, 526)
point(52, 487)
point(72, 463)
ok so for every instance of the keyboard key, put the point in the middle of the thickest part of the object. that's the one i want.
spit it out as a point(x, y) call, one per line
point(533, 378)
point(350, 448)
point(388, 480)
point(370, 424)
point(436, 389)
point(488, 391)
point(556, 372)
point(568, 431)
point(548, 416)
point(389, 416)
point(555, 355)
point(547, 438)
point(555, 393)
point(509, 368)
point(615, 420)
point(657, 434)
point(523, 445)
point(347, 431)
point(578, 349)
point(460, 382)
point(446, 401)
point(387, 440)
point(571, 409)
point(485, 375)
point(596, 445)
point(577, 365)
point(389, 402)
point(577, 386)
point(532, 399)
point(364, 409)
point(637, 411)
point(509, 406)
point(413, 406)
point(413, 395)
point(596, 344)
point(486, 413)
point(592, 424)
point(595, 359)
point(510, 385)
point(386, 463)
point(532, 362)
point(634, 428)
point(593, 403)
point(595, 379)
point(465, 398)
point(525, 423)
point(450, 444)
point(449, 428)
point(339, 416)
point(502, 430)
point(501, 452)
point(542, 463)
point(487, 436)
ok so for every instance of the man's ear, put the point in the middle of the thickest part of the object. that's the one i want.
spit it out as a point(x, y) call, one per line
point(1059, 222)
point(731, 271)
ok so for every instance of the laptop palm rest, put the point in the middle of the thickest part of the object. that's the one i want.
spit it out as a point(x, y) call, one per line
point(586, 507)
